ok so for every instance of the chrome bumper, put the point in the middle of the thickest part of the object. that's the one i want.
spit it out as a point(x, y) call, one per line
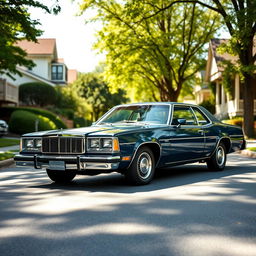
point(70, 162)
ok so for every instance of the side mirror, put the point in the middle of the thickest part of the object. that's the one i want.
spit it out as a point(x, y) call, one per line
point(181, 121)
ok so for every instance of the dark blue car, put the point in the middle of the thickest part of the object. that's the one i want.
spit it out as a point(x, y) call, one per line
point(134, 140)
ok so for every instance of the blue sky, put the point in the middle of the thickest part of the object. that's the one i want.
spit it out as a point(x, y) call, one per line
point(74, 37)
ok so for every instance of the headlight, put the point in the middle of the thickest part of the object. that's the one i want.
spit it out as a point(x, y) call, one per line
point(107, 143)
point(31, 144)
point(94, 143)
point(102, 145)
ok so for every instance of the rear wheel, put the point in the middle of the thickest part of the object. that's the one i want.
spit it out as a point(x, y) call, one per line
point(218, 160)
point(142, 169)
point(61, 176)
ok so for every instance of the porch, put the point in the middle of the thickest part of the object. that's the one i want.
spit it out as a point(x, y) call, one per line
point(9, 93)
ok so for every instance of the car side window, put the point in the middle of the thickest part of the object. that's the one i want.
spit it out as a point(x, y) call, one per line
point(183, 112)
point(202, 120)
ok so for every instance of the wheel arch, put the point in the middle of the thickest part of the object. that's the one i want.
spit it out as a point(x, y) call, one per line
point(227, 143)
point(155, 148)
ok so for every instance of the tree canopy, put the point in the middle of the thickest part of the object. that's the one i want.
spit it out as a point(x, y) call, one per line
point(239, 18)
point(97, 95)
point(16, 24)
point(157, 55)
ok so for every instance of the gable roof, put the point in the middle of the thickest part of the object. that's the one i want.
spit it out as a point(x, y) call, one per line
point(220, 57)
point(44, 46)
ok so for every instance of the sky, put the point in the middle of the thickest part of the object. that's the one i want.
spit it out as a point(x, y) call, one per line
point(74, 38)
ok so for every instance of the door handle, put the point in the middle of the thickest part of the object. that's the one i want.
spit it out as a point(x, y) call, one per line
point(201, 132)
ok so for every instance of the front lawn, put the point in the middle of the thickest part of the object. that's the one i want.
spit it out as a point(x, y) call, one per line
point(6, 155)
point(8, 142)
point(252, 149)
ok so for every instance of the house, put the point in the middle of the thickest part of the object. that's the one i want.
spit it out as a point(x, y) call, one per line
point(48, 69)
point(227, 104)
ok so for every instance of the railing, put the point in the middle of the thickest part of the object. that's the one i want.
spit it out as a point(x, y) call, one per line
point(8, 92)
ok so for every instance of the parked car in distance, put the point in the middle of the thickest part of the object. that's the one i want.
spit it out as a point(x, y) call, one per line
point(3, 128)
point(134, 140)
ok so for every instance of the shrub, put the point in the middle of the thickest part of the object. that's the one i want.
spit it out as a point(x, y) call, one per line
point(7, 111)
point(235, 121)
point(40, 94)
point(209, 105)
point(81, 122)
point(23, 122)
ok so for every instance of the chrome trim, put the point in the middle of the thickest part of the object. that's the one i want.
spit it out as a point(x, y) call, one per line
point(191, 107)
point(99, 166)
point(63, 157)
point(65, 137)
point(148, 142)
point(190, 160)
point(236, 136)
point(127, 143)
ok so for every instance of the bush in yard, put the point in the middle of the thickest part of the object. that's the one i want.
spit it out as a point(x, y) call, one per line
point(234, 121)
point(209, 105)
point(7, 111)
point(23, 122)
point(34, 94)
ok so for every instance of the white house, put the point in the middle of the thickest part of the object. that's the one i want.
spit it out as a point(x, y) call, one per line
point(226, 106)
point(49, 69)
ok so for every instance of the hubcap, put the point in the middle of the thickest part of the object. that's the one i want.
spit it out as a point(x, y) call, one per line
point(220, 156)
point(144, 165)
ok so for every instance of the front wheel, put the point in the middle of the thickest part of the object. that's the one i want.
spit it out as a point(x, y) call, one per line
point(142, 169)
point(61, 176)
point(218, 160)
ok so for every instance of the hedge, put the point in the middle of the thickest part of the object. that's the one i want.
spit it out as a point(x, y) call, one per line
point(37, 93)
point(6, 112)
point(24, 122)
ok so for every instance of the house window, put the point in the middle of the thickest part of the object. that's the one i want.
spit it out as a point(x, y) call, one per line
point(57, 72)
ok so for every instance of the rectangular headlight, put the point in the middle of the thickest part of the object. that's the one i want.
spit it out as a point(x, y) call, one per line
point(31, 144)
point(103, 144)
point(107, 143)
point(94, 143)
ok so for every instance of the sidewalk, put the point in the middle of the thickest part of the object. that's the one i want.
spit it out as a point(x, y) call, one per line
point(4, 149)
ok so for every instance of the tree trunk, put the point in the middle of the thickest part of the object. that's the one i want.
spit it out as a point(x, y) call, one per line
point(248, 97)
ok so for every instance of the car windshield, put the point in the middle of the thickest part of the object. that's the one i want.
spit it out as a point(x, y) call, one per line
point(153, 114)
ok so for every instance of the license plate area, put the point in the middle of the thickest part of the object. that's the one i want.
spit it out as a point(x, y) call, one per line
point(57, 165)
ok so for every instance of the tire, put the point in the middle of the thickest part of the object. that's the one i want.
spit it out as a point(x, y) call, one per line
point(61, 176)
point(142, 168)
point(217, 162)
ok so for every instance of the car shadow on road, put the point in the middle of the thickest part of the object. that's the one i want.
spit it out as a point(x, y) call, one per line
point(164, 178)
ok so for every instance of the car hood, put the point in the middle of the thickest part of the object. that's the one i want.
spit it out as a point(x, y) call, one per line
point(96, 130)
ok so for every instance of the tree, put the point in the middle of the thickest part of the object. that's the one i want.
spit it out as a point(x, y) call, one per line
point(97, 94)
point(37, 94)
point(239, 18)
point(16, 24)
point(157, 54)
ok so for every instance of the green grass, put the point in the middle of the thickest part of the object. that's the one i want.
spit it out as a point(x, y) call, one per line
point(6, 155)
point(252, 149)
point(8, 142)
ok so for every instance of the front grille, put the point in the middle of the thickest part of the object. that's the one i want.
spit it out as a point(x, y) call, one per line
point(63, 145)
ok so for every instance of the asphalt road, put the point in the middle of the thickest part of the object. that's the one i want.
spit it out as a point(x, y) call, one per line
point(184, 211)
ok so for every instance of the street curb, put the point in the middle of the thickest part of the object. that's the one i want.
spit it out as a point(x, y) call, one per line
point(6, 163)
point(248, 153)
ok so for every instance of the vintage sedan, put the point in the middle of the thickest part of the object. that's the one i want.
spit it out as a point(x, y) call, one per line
point(134, 140)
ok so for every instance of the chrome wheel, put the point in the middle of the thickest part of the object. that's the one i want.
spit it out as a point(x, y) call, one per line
point(220, 156)
point(144, 165)
point(142, 169)
point(217, 161)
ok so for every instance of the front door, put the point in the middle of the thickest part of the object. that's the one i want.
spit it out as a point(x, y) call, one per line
point(187, 141)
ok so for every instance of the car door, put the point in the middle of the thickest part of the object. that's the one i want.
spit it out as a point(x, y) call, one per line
point(187, 141)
